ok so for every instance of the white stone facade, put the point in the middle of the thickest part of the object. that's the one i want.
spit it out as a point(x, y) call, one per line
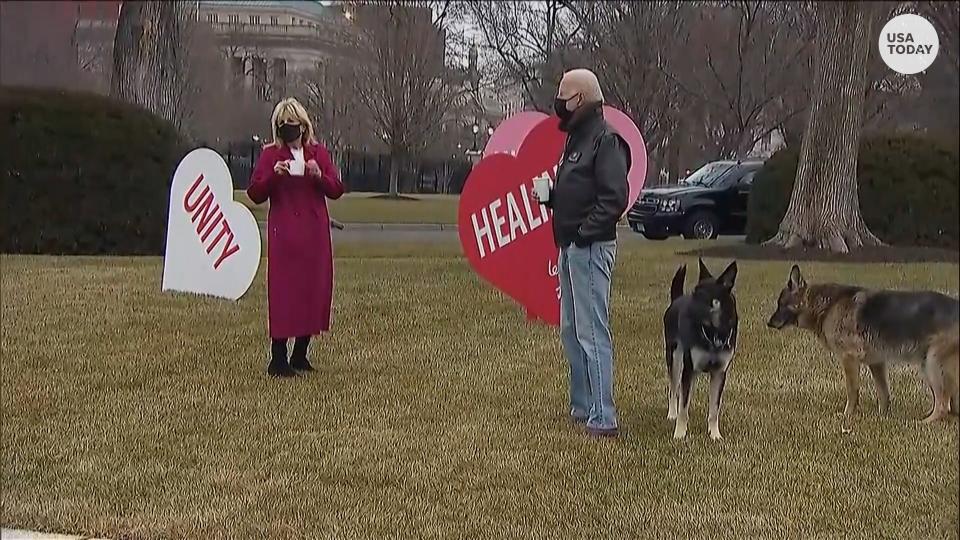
point(267, 44)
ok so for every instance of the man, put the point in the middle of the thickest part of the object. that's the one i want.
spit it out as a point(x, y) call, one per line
point(588, 199)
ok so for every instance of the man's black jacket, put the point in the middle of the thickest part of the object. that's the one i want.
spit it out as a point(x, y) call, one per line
point(591, 190)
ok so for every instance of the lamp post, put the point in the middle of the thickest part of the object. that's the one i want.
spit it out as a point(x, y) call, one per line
point(476, 130)
point(253, 151)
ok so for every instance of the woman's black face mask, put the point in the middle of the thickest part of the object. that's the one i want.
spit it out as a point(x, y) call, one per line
point(289, 132)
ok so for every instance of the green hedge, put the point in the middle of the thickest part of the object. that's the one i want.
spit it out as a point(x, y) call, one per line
point(83, 175)
point(908, 191)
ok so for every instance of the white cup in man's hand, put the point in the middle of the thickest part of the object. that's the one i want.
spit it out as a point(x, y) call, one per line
point(541, 188)
point(297, 167)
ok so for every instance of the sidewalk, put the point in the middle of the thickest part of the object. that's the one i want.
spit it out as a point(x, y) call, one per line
point(414, 226)
point(15, 534)
point(399, 227)
point(405, 226)
point(391, 226)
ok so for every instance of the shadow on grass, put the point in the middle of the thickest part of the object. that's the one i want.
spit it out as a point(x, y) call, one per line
point(398, 197)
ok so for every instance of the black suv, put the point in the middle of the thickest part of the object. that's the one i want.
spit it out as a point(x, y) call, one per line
point(709, 202)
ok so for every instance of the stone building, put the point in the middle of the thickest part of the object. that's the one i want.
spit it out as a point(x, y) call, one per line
point(267, 43)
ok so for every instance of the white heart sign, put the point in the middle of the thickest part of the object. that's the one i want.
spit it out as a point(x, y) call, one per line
point(213, 242)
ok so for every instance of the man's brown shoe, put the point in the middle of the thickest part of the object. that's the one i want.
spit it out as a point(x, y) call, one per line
point(610, 433)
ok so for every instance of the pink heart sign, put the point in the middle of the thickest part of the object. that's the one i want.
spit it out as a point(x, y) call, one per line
point(506, 236)
point(509, 135)
point(624, 126)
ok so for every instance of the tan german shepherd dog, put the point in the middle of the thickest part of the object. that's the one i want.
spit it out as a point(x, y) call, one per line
point(876, 328)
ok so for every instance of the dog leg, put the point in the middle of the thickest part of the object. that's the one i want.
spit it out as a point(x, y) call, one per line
point(954, 378)
point(934, 370)
point(686, 388)
point(882, 385)
point(928, 385)
point(717, 380)
point(674, 367)
point(851, 379)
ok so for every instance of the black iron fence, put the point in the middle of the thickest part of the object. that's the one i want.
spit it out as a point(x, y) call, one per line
point(240, 160)
point(363, 171)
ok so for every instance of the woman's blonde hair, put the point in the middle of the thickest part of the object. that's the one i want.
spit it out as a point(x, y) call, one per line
point(287, 110)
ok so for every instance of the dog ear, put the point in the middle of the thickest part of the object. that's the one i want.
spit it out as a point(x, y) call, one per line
point(796, 281)
point(704, 273)
point(729, 276)
point(676, 286)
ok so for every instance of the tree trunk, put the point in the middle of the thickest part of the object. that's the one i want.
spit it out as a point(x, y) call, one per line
point(150, 57)
point(673, 160)
point(395, 174)
point(824, 211)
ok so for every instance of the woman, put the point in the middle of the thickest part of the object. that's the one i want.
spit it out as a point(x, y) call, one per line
point(296, 175)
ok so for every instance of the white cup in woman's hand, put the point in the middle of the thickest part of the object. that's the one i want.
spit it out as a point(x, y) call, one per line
point(297, 167)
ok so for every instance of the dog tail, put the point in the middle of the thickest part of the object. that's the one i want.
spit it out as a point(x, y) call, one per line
point(676, 286)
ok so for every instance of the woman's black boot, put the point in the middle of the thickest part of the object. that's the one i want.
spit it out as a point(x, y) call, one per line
point(298, 360)
point(278, 360)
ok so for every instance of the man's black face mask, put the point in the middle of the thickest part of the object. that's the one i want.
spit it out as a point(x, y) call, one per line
point(563, 113)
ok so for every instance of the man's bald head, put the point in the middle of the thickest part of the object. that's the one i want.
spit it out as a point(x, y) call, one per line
point(582, 82)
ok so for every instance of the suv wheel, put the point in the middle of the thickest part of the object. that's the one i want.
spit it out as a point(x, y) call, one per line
point(702, 225)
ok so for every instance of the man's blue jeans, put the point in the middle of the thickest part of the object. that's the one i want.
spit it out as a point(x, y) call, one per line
point(585, 331)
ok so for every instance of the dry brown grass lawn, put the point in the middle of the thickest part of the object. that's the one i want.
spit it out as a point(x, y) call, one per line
point(436, 411)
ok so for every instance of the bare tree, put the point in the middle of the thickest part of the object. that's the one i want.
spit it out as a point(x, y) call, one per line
point(626, 43)
point(150, 56)
point(531, 42)
point(402, 78)
point(622, 41)
point(824, 210)
point(167, 61)
point(926, 102)
point(668, 65)
point(329, 93)
point(743, 64)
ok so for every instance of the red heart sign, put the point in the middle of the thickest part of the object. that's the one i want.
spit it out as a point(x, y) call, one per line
point(505, 234)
